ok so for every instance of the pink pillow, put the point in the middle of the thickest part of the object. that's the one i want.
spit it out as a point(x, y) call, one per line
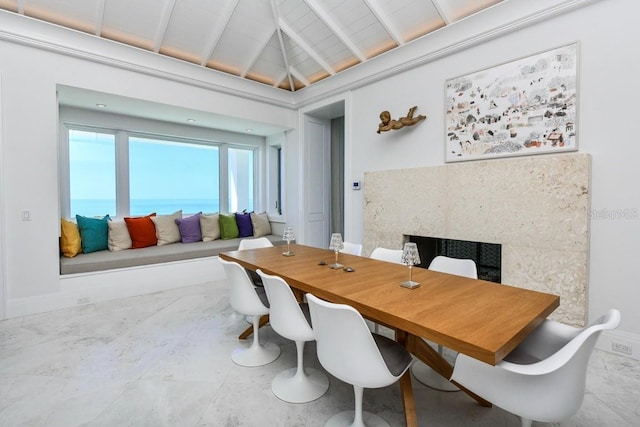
point(190, 228)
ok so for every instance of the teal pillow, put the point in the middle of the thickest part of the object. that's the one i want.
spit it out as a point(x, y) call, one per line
point(228, 227)
point(94, 233)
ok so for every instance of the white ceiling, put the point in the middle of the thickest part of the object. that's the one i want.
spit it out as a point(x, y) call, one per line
point(288, 44)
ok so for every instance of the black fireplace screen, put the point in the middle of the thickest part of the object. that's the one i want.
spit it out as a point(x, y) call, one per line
point(487, 256)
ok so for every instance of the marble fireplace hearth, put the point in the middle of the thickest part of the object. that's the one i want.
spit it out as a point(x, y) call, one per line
point(536, 207)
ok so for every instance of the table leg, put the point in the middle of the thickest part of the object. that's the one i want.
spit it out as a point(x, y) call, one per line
point(247, 332)
point(423, 351)
point(408, 401)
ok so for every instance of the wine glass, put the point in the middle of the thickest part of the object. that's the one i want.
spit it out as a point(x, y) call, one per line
point(288, 236)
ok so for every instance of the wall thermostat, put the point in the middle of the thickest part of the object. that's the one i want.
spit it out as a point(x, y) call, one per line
point(356, 185)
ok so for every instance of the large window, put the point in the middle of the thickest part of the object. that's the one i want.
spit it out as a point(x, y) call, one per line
point(168, 176)
point(92, 172)
point(123, 173)
point(240, 168)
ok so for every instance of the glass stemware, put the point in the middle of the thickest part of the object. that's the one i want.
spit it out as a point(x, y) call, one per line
point(336, 245)
point(288, 236)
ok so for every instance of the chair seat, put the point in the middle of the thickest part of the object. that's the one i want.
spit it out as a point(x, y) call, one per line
point(549, 390)
point(262, 294)
point(395, 355)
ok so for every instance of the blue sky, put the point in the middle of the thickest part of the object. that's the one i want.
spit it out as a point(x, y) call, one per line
point(163, 171)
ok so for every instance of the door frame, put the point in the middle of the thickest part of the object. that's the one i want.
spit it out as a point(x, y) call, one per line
point(329, 108)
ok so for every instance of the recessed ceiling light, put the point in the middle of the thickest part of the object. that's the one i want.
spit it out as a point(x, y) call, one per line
point(191, 120)
point(249, 130)
point(101, 105)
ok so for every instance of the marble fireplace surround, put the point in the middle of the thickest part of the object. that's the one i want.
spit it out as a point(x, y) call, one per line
point(536, 207)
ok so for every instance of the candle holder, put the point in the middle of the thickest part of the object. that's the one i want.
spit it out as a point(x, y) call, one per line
point(411, 257)
point(336, 245)
point(288, 237)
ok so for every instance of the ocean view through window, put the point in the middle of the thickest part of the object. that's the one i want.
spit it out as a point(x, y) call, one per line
point(91, 207)
point(118, 173)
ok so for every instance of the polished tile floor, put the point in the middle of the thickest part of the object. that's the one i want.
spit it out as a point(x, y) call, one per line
point(164, 360)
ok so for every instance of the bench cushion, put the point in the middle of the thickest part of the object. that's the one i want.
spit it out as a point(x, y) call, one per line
point(108, 260)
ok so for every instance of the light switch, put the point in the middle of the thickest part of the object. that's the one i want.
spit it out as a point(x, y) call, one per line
point(26, 215)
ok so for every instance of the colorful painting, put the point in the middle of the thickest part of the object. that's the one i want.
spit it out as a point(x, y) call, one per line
point(523, 107)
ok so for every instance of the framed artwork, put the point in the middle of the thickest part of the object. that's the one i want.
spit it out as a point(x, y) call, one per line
point(527, 106)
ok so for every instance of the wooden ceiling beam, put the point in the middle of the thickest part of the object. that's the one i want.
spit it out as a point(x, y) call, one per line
point(445, 18)
point(164, 24)
point(384, 21)
point(335, 28)
point(293, 35)
point(256, 55)
point(225, 16)
point(276, 18)
point(99, 16)
point(298, 75)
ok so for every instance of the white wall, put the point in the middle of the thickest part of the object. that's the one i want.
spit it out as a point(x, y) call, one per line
point(30, 148)
point(609, 66)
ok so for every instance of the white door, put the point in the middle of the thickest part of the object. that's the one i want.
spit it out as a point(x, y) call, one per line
point(317, 187)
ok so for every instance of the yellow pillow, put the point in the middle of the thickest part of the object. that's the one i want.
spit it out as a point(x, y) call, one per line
point(70, 243)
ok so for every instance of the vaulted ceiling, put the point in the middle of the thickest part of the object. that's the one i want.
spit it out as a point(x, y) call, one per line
point(288, 44)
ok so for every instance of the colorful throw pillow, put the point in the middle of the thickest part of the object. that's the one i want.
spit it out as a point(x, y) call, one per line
point(94, 233)
point(228, 227)
point(245, 228)
point(142, 231)
point(70, 244)
point(166, 228)
point(190, 228)
point(261, 224)
point(119, 238)
point(210, 227)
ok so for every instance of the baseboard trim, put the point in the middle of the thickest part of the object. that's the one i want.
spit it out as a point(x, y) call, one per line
point(621, 343)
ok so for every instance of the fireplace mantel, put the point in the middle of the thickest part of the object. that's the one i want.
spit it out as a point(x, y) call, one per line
point(536, 207)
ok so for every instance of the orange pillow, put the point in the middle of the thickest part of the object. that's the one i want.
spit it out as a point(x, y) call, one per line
point(142, 231)
point(70, 243)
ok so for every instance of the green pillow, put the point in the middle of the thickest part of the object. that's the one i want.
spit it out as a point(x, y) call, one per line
point(228, 227)
point(94, 233)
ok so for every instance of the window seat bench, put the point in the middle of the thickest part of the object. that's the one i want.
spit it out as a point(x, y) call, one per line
point(108, 260)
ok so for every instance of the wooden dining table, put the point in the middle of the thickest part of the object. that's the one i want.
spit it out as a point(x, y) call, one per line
point(481, 319)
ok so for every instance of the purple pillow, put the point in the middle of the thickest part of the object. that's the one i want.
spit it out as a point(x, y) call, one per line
point(245, 226)
point(190, 228)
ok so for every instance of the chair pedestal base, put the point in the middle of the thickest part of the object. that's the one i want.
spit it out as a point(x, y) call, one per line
point(427, 376)
point(345, 419)
point(300, 388)
point(256, 355)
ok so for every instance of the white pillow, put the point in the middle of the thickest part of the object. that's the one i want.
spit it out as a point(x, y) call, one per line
point(167, 230)
point(210, 227)
point(119, 238)
point(261, 224)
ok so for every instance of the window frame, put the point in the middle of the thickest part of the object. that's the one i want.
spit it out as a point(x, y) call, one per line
point(122, 164)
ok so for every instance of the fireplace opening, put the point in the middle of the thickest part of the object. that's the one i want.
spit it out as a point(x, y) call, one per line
point(487, 256)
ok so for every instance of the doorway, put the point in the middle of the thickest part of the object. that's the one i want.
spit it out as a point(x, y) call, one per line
point(323, 173)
